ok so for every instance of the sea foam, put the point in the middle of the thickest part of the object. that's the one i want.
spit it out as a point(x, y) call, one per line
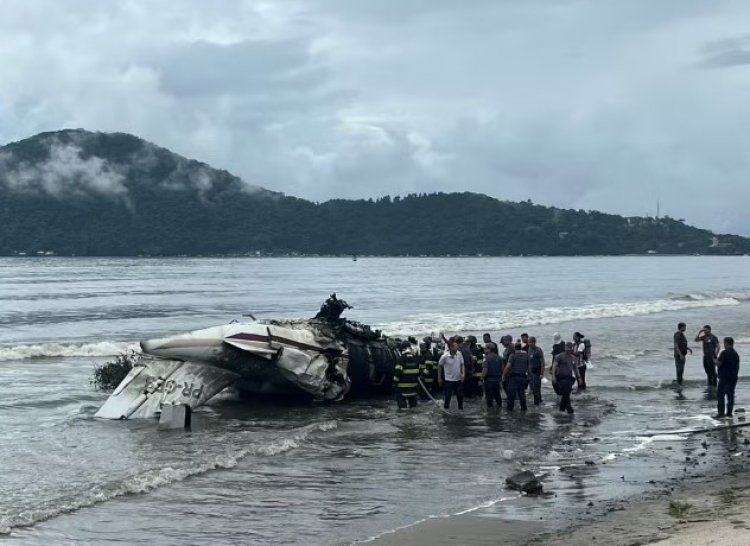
point(49, 350)
point(501, 320)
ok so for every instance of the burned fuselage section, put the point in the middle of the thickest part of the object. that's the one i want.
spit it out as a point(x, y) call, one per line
point(326, 358)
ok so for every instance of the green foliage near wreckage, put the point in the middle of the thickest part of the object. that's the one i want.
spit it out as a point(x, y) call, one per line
point(117, 195)
point(107, 376)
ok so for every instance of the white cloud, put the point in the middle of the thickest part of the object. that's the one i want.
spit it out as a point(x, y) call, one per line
point(64, 173)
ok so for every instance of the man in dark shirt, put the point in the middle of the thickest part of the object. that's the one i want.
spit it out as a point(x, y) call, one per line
point(536, 370)
point(487, 338)
point(564, 374)
point(728, 367)
point(507, 342)
point(710, 352)
point(517, 373)
point(558, 348)
point(525, 342)
point(464, 347)
point(491, 372)
point(681, 350)
point(558, 345)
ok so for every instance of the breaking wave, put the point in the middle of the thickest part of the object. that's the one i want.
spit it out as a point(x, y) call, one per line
point(740, 295)
point(500, 320)
point(153, 479)
point(48, 350)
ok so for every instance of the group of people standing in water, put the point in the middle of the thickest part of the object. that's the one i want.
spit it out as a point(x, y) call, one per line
point(722, 367)
point(461, 367)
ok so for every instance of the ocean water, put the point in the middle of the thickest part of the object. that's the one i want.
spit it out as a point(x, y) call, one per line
point(255, 472)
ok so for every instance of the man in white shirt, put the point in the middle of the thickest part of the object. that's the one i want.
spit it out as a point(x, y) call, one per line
point(451, 372)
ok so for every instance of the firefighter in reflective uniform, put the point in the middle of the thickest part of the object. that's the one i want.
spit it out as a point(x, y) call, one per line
point(427, 369)
point(406, 377)
point(477, 353)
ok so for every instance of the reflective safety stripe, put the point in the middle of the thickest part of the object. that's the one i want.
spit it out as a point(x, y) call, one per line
point(406, 376)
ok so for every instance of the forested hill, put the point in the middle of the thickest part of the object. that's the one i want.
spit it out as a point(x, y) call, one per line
point(80, 193)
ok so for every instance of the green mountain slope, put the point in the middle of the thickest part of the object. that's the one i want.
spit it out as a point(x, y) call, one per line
point(75, 192)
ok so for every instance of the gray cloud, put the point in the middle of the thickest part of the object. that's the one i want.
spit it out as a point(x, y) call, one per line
point(726, 53)
point(575, 103)
point(262, 69)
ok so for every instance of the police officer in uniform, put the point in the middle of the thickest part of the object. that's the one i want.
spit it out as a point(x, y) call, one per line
point(507, 342)
point(564, 374)
point(517, 373)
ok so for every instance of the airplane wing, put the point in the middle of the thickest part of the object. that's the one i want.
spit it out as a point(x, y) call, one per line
point(154, 382)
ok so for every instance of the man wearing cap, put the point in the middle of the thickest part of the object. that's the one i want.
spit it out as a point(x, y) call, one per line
point(710, 352)
point(558, 348)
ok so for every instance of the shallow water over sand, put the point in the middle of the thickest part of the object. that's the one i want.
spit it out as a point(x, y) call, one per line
point(279, 474)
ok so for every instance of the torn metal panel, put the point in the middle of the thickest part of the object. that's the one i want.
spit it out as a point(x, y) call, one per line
point(154, 382)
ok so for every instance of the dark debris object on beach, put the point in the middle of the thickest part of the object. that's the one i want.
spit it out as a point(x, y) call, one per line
point(525, 482)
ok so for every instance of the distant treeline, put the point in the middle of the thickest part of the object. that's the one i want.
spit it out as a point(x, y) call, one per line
point(90, 194)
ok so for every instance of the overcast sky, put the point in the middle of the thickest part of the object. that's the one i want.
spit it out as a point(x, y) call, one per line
point(592, 104)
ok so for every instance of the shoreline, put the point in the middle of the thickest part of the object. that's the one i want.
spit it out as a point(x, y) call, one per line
point(694, 510)
point(693, 514)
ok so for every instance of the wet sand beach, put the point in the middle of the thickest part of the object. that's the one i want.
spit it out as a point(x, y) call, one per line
point(694, 514)
point(710, 505)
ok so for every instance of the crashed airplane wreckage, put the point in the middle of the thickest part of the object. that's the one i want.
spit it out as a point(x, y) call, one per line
point(325, 358)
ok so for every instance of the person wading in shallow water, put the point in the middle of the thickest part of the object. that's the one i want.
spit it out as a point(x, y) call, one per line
point(517, 373)
point(451, 372)
point(710, 352)
point(681, 350)
point(507, 342)
point(536, 370)
point(491, 372)
point(558, 348)
point(564, 374)
point(728, 368)
point(406, 377)
point(580, 351)
point(464, 347)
